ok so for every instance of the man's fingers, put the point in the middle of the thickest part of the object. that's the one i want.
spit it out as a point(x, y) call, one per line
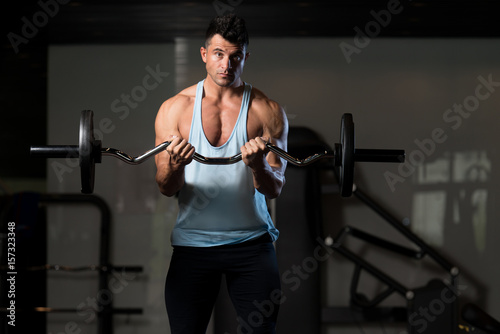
point(180, 147)
point(251, 147)
point(188, 151)
point(260, 143)
point(174, 141)
point(254, 147)
point(264, 139)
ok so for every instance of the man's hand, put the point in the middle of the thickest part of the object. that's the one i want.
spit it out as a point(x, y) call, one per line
point(180, 152)
point(253, 153)
point(170, 165)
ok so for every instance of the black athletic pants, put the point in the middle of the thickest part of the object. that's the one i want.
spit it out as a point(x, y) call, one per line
point(253, 283)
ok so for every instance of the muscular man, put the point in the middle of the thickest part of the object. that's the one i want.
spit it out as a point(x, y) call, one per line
point(223, 226)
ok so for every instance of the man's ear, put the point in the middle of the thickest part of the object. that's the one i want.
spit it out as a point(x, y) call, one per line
point(247, 55)
point(203, 52)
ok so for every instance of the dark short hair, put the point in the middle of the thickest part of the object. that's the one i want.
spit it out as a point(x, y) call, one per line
point(231, 27)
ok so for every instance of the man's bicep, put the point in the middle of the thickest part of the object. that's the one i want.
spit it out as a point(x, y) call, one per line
point(279, 128)
point(278, 132)
point(166, 123)
point(165, 128)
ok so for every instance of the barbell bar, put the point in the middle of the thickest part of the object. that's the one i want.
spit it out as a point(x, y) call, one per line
point(90, 151)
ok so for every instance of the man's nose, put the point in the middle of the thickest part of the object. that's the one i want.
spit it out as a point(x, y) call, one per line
point(226, 63)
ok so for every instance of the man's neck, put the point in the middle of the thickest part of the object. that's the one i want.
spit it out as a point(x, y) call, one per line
point(220, 92)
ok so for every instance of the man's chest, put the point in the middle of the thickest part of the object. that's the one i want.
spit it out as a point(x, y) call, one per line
point(219, 121)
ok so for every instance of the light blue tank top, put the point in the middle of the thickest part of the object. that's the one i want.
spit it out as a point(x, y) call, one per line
point(218, 204)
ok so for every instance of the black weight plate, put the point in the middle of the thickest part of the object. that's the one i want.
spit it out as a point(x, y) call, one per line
point(87, 163)
point(347, 146)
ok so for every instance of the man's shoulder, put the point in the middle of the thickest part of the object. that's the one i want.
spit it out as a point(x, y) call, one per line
point(269, 113)
point(181, 100)
point(187, 95)
point(189, 92)
point(262, 103)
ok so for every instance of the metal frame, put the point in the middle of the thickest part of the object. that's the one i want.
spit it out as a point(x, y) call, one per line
point(369, 312)
point(105, 268)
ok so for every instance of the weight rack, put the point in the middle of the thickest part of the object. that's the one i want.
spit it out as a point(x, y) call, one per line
point(104, 268)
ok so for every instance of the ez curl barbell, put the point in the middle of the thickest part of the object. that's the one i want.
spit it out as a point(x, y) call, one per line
point(90, 152)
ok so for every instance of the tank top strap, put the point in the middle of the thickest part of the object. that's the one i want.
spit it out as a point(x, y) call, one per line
point(241, 124)
point(196, 124)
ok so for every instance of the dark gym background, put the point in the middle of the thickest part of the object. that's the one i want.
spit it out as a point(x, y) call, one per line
point(404, 83)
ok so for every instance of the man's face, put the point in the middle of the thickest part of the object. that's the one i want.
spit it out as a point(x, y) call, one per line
point(224, 60)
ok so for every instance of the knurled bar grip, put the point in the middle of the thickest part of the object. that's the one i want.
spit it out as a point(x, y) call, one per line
point(90, 152)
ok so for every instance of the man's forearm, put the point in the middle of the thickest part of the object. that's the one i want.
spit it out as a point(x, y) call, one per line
point(268, 180)
point(170, 181)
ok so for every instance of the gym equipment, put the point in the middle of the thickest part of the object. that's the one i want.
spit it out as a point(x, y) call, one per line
point(344, 155)
point(480, 319)
point(32, 309)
